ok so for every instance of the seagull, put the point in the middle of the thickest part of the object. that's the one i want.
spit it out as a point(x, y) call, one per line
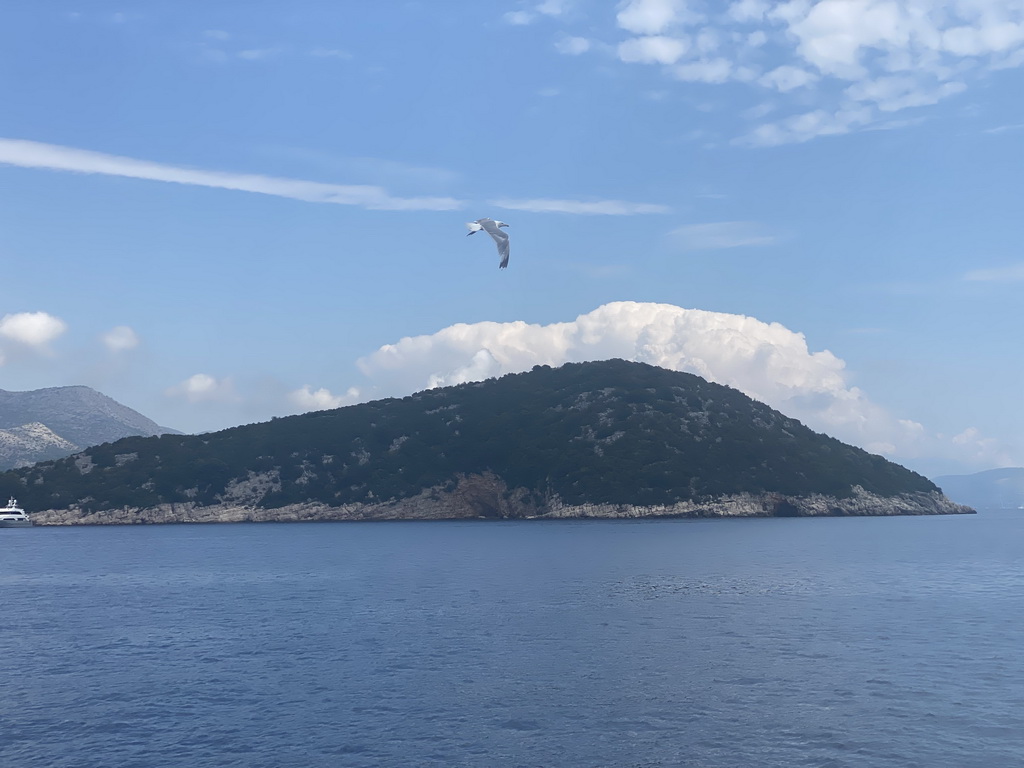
point(492, 228)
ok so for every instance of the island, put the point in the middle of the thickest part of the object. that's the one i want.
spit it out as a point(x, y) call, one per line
point(609, 439)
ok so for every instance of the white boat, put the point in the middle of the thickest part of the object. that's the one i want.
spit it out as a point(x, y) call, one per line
point(13, 516)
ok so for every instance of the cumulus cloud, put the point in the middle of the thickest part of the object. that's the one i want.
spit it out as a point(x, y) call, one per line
point(767, 361)
point(120, 338)
point(202, 387)
point(596, 208)
point(308, 399)
point(33, 329)
point(32, 154)
point(653, 49)
point(651, 17)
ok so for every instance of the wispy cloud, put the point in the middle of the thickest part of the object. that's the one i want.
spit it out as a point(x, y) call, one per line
point(591, 208)
point(257, 54)
point(536, 11)
point(719, 235)
point(120, 339)
point(330, 53)
point(32, 154)
point(1005, 128)
point(1009, 274)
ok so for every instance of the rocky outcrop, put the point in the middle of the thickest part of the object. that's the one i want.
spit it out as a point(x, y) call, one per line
point(26, 444)
point(488, 497)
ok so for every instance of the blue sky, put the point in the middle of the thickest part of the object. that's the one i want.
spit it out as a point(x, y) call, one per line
point(221, 212)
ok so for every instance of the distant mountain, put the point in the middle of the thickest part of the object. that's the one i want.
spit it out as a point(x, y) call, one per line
point(993, 489)
point(606, 439)
point(50, 423)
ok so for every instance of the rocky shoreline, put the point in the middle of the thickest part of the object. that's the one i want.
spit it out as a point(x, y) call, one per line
point(487, 497)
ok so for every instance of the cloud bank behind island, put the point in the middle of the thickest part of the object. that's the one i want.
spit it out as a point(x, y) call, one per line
point(766, 361)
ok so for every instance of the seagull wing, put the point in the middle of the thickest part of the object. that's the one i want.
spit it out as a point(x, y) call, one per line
point(490, 226)
point(503, 251)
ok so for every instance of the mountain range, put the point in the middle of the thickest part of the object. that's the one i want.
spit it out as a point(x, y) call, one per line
point(992, 489)
point(50, 423)
point(601, 439)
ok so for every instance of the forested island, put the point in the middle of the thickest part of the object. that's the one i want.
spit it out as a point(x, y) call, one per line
point(601, 439)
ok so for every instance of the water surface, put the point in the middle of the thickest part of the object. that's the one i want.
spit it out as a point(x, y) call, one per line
point(837, 642)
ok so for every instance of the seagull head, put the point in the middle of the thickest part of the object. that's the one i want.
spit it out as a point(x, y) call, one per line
point(500, 224)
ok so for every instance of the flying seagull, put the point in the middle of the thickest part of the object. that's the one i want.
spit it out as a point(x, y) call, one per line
point(492, 228)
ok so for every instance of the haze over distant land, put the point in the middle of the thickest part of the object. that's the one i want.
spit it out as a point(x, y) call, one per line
point(994, 489)
point(816, 203)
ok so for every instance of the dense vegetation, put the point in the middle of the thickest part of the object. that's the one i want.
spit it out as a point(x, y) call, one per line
point(612, 431)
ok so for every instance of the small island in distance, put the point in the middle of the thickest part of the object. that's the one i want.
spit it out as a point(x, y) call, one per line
point(585, 440)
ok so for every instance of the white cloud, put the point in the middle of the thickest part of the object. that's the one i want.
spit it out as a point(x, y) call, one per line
point(596, 208)
point(748, 10)
point(1005, 128)
point(256, 54)
point(882, 56)
point(767, 361)
point(33, 329)
point(651, 17)
point(120, 338)
point(553, 7)
point(330, 53)
point(308, 399)
point(1009, 274)
point(786, 78)
point(653, 49)
point(202, 387)
point(719, 235)
point(974, 448)
point(717, 70)
point(518, 18)
point(572, 46)
point(810, 125)
point(544, 8)
point(32, 154)
point(897, 92)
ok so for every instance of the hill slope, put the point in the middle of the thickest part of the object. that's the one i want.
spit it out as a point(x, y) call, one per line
point(610, 438)
point(72, 418)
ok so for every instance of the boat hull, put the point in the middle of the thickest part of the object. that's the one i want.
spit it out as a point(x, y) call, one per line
point(15, 523)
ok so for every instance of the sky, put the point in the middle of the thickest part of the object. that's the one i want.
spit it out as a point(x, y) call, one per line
point(221, 212)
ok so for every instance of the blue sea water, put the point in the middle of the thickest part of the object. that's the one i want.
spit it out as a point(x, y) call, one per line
point(871, 642)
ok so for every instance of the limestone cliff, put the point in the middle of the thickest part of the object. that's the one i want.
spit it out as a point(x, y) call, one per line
point(487, 497)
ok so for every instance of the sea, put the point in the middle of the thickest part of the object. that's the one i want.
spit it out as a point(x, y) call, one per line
point(735, 643)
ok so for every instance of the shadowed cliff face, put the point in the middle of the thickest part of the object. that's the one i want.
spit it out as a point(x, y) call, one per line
point(590, 439)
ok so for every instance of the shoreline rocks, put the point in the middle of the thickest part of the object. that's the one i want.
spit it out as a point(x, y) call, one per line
point(487, 497)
